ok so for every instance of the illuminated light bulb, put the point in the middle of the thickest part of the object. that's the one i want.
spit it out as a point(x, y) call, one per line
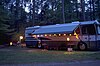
point(59, 34)
point(11, 43)
point(70, 34)
point(50, 35)
point(54, 34)
point(64, 34)
point(37, 35)
point(68, 39)
point(21, 37)
point(41, 35)
point(34, 35)
point(75, 33)
point(45, 34)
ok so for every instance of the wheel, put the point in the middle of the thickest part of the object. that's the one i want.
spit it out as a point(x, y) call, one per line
point(82, 46)
point(45, 46)
point(28, 46)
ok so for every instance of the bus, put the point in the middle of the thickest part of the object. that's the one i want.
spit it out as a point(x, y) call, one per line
point(77, 35)
point(29, 40)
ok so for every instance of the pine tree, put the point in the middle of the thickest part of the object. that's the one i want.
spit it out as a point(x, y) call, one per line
point(5, 30)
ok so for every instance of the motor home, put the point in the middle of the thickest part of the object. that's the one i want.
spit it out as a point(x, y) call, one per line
point(77, 35)
point(29, 39)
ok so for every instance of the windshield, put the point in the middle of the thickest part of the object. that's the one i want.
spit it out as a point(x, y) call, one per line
point(99, 29)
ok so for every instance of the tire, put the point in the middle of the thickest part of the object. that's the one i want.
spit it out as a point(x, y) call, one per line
point(45, 46)
point(28, 46)
point(82, 46)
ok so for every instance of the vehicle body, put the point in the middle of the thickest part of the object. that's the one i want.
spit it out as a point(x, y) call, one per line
point(29, 40)
point(77, 35)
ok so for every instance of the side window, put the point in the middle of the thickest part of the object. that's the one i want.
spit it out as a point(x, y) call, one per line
point(78, 30)
point(91, 29)
point(84, 30)
point(88, 29)
point(98, 29)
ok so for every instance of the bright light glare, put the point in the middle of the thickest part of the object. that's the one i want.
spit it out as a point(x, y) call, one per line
point(59, 34)
point(64, 34)
point(38, 35)
point(34, 36)
point(50, 35)
point(68, 39)
point(45, 34)
point(21, 37)
point(11, 43)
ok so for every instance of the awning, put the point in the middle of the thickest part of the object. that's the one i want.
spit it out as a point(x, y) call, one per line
point(59, 28)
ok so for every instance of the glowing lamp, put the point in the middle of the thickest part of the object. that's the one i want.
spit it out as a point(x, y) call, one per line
point(64, 34)
point(45, 34)
point(50, 35)
point(11, 43)
point(68, 39)
point(41, 35)
point(59, 34)
point(54, 34)
point(70, 34)
point(75, 33)
point(37, 35)
point(34, 36)
point(21, 37)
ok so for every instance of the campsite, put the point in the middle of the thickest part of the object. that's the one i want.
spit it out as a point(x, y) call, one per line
point(17, 55)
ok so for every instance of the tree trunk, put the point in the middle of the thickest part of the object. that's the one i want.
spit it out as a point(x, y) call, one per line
point(90, 10)
point(33, 16)
point(98, 9)
point(17, 16)
point(83, 10)
point(63, 11)
point(93, 4)
point(76, 5)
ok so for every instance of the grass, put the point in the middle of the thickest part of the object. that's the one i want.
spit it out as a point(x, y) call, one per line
point(15, 55)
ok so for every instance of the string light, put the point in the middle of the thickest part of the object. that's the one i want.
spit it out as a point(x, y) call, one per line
point(74, 33)
point(45, 34)
point(68, 39)
point(64, 34)
point(41, 35)
point(37, 35)
point(54, 34)
point(50, 35)
point(59, 34)
point(34, 36)
point(70, 34)
point(21, 37)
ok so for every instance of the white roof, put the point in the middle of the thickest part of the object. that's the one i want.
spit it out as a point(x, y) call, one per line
point(89, 22)
point(61, 28)
point(35, 27)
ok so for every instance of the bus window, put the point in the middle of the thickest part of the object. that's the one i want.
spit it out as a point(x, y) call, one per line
point(88, 29)
point(99, 29)
point(84, 30)
point(78, 30)
point(91, 29)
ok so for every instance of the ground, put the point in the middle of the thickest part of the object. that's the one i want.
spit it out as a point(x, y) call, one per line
point(17, 56)
point(82, 63)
